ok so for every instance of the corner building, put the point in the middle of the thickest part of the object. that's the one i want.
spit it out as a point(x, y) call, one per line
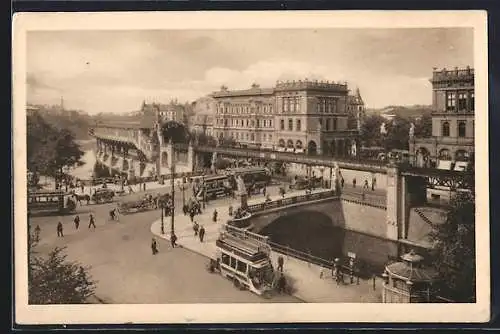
point(451, 145)
point(298, 116)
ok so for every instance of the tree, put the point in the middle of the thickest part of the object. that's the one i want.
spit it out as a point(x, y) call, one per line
point(176, 132)
point(50, 149)
point(55, 280)
point(454, 251)
point(397, 134)
point(423, 127)
point(370, 130)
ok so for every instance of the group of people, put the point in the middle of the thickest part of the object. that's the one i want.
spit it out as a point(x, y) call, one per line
point(76, 221)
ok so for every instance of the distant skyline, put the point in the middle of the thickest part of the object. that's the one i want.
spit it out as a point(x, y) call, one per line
point(114, 71)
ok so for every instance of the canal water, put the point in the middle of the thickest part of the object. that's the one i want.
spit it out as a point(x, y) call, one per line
point(313, 233)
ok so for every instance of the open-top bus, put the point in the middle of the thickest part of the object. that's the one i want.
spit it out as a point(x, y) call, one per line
point(50, 201)
point(244, 258)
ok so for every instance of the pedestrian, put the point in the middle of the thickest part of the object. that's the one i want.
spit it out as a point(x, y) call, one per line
point(117, 217)
point(280, 263)
point(214, 217)
point(154, 246)
point(342, 182)
point(374, 182)
point(60, 230)
point(82, 187)
point(144, 186)
point(91, 221)
point(264, 191)
point(281, 283)
point(77, 222)
point(112, 214)
point(202, 233)
point(354, 182)
point(173, 240)
point(37, 233)
point(365, 186)
point(191, 214)
point(230, 210)
point(196, 227)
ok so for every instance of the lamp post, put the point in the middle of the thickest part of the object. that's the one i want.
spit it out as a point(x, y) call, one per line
point(161, 215)
point(172, 223)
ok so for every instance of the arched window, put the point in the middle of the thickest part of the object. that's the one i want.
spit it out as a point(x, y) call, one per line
point(289, 143)
point(461, 128)
point(445, 129)
point(281, 143)
point(461, 155)
point(444, 154)
point(298, 144)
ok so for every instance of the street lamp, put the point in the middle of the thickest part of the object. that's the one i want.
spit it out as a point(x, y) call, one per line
point(161, 215)
point(172, 223)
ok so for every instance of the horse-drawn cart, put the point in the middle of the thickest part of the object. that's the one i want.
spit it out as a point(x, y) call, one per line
point(133, 206)
point(103, 195)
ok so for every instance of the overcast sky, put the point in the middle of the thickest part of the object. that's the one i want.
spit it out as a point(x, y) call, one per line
point(114, 71)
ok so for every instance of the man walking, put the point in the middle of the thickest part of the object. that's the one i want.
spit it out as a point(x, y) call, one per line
point(112, 214)
point(196, 227)
point(37, 233)
point(202, 233)
point(365, 186)
point(354, 183)
point(60, 230)
point(173, 240)
point(154, 246)
point(92, 221)
point(374, 182)
point(280, 263)
point(77, 222)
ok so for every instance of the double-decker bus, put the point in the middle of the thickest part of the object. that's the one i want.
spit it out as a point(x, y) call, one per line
point(244, 258)
point(257, 177)
point(50, 202)
point(214, 187)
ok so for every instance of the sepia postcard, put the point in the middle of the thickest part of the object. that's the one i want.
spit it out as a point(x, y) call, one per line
point(251, 167)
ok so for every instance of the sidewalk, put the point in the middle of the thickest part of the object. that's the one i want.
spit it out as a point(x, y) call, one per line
point(307, 282)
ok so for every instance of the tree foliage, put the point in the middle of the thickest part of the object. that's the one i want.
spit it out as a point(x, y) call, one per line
point(55, 280)
point(423, 127)
point(175, 132)
point(370, 130)
point(49, 149)
point(454, 251)
point(397, 136)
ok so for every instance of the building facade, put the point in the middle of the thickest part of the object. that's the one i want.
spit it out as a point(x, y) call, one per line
point(167, 112)
point(202, 118)
point(452, 142)
point(295, 116)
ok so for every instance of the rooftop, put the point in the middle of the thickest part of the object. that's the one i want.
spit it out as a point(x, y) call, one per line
point(458, 74)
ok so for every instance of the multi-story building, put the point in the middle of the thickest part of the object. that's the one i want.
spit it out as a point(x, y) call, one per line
point(202, 119)
point(297, 115)
point(167, 112)
point(452, 142)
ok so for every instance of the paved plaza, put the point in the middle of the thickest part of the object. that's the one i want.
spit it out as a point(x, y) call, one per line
point(308, 284)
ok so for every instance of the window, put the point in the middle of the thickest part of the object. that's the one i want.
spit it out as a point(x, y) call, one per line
point(462, 101)
point(297, 104)
point(252, 137)
point(329, 107)
point(233, 262)
point(445, 129)
point(461, 128)
point(225, 122)
point(270, 137)
point(252, 123)
point(451, 101)
point(285, 104)
point(241, 267)
point(327, 124)
point(271, 123)
point(299, 125)
point(292, 105)
point(318, 107)
point(258, 123)
point(471, 101)
point(247, 122)
point(225, 259)
point(290, 124)
point(334, 124)
point(282, 124)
